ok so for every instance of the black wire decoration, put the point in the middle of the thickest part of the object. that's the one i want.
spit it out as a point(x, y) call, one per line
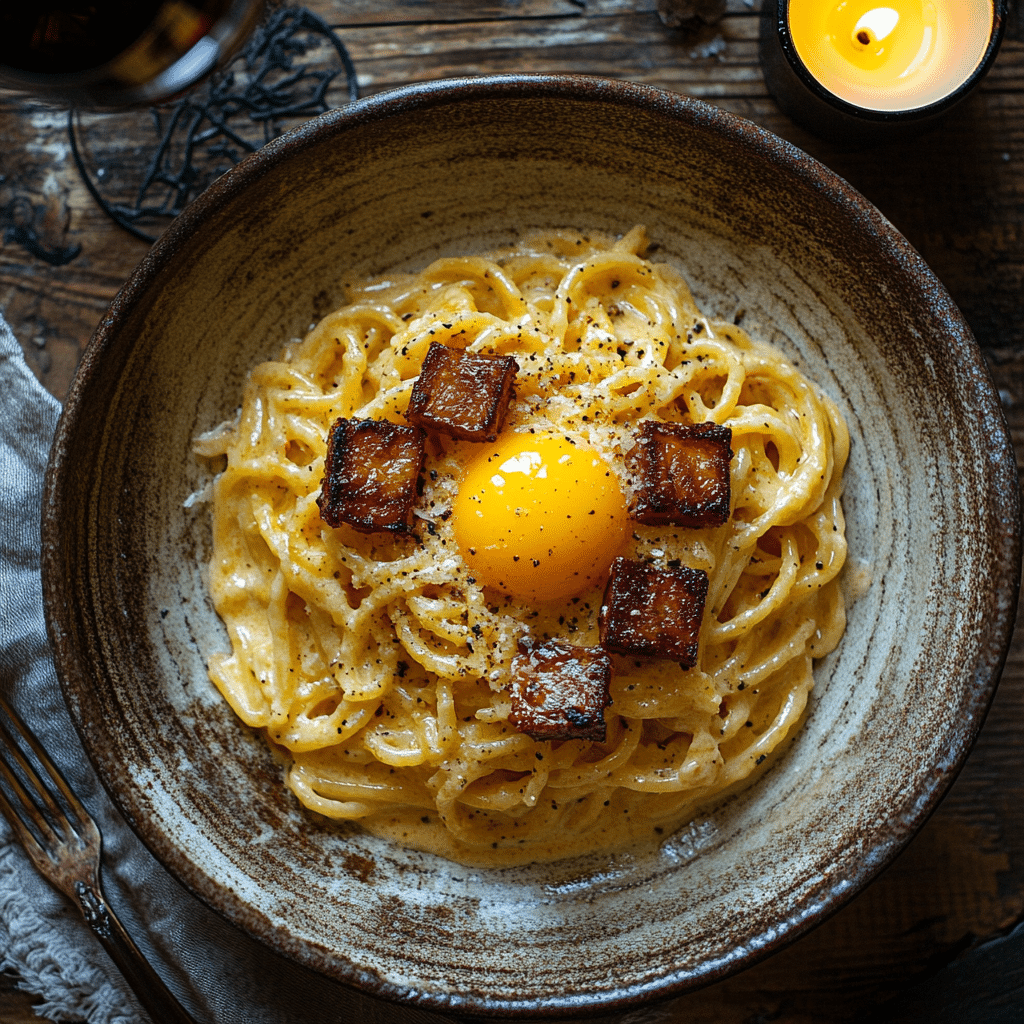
point(255, 99)
point(23, 223)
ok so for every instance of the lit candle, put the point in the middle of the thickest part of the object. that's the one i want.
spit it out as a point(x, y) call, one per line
point(865, 67)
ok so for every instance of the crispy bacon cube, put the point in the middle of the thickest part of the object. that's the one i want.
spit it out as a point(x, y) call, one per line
point(681, 474)
point(371, 475)
point(559, 691)
point(462, 394)
point(653, 612)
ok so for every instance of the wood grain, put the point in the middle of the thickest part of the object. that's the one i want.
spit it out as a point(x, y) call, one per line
point(957, 193)
point(16, 1007)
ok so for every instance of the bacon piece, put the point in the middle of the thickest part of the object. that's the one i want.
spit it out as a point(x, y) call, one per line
point(462, 394)
point(559, 691)
point(653, 612)
point(371, 475)
point(683, 474)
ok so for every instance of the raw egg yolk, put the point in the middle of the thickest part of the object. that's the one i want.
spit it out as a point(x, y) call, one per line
point(539, 516)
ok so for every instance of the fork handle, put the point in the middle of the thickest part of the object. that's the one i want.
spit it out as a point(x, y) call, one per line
point(157, 999)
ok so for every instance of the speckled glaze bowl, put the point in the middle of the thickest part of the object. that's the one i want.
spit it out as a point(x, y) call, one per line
point(759, 228)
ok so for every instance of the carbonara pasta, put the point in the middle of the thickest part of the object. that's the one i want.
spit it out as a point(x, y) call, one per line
point(379, 664)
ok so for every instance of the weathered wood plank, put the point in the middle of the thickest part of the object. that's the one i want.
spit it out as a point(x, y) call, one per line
point(723, 56)
point(16, 1007)
point(372, 12)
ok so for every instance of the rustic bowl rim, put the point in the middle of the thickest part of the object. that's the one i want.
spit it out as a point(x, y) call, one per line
point(687, 112)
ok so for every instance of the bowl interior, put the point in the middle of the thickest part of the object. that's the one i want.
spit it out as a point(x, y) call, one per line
point(760, 231)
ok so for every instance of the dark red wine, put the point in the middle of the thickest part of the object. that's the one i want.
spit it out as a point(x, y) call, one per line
point(112, 53)
point(63, 38)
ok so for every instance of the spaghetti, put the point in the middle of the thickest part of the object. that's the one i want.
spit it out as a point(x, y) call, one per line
point(379, 664)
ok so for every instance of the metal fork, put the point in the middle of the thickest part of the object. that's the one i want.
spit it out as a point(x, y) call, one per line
point(64, 843)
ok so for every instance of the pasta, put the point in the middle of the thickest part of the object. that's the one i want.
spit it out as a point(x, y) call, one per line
point(379, 664)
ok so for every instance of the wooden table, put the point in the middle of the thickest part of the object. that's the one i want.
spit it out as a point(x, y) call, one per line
point(915, 940)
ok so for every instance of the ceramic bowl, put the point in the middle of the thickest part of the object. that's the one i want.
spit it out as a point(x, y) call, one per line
point(458, 166)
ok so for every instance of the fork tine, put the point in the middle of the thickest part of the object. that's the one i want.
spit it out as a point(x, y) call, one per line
point(74, 871)
point(28, 803)
point(25, 835)
point(29, 739)
point(40, 805)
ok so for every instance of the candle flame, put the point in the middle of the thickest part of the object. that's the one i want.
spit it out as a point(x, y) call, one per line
point(891, 54)
point(874, 27)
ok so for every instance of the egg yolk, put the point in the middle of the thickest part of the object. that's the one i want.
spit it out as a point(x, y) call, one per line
point(539, 516)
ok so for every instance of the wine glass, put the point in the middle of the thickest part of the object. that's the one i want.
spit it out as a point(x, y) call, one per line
point(118, 54)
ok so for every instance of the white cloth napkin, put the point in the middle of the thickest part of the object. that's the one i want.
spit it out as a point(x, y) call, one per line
point(220, 974)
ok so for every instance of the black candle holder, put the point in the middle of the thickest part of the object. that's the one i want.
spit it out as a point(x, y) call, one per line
point(807, 102)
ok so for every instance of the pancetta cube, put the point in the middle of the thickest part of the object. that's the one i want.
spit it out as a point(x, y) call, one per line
point(559, 691)
point(681, 474)
point(371, 475)
point(462, 394)
point(653, 612)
